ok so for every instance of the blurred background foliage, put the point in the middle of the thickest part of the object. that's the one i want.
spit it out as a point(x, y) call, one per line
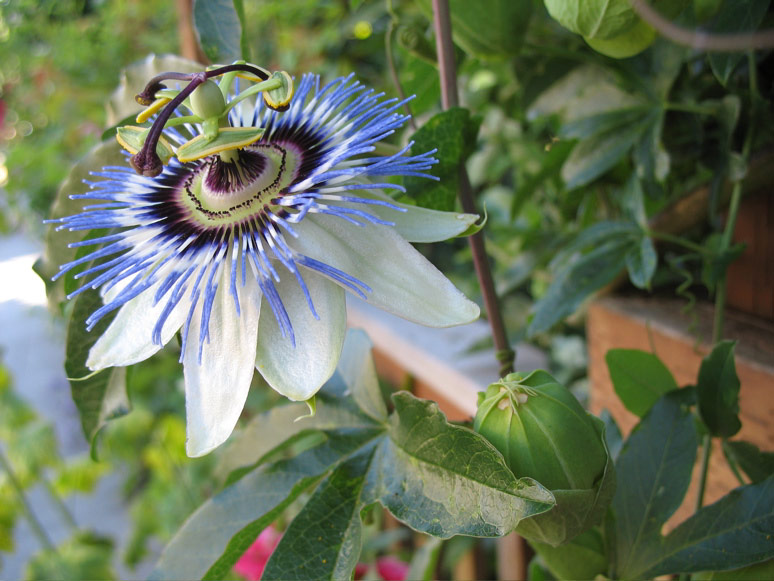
point(575, 155)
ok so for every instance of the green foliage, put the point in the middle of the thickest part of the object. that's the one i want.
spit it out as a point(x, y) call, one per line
point(219, 28)
point(718, 391)
point(730, 18)
point(756, 464)
point(102, 396)
point(394, 462)
point(639, 378)
point(488, 28)
point(84, 556)
point(654, 470)
point(453, 134)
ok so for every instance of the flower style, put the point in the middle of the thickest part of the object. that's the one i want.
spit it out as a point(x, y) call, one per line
point(249, 254)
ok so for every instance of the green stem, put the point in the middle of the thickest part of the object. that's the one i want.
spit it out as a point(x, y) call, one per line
point(677, 240)
point(394, 71)
point(67, 516)
point(450, 98)
point(35, 524)
point(735, 469)
point(733, 207)
point(705, 457)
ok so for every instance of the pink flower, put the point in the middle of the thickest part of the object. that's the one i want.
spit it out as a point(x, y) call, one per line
point(252, 562)
point(391, 569)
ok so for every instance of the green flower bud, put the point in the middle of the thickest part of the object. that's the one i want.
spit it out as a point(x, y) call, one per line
point(207, 100)
point(545, 434)
point(542, 431)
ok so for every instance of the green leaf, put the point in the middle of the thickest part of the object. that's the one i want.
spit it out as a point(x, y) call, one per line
point(267, 432)
point(220, 531)
point(219, 29)
point(446, 480)
point(718, 391)
point(653, 470)
point(734, 17)
point(57, 250)
point(594, 156)
point(639, 378)
point(425, 559)
point(576, 281)
point(487, 28)
point(324, 540)
point(84, 556)
point(593, 18)
point(755, 572)
point(641, 262)
point(597, 123)
point(99, 397)
point(756, 464)
point(584, 557)
point(357, 370)
point(731, 533)
point(453, 133)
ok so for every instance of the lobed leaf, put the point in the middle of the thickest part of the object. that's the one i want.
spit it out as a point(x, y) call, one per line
point(446, 480)
point(731, 533)
point(718, 391)
point(653, 470)
point(639, 378)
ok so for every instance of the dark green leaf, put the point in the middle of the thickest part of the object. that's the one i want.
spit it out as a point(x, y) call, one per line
point(446, 480)
point(653, 470)
point(221, 530)
point(718, 391)
point(641, 261)
point(756, 464)
point(613, 437)
point(576, 281)
point(594, 156)
point(594, 236)
point(734, 17)
point(733, 532)
point(586, 127)
point(324, 539)
point(650, 157)
point(219, 29)
point(639, 378)
point(755, 572)
point(100, 396)
point(582, 558)
point(453, 133)
point(487, 28)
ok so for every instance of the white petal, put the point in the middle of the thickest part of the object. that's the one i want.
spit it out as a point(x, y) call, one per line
point(216, 388)
point(416, 224)
point(402, 281)
point(127, 340)
point(298, 372)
